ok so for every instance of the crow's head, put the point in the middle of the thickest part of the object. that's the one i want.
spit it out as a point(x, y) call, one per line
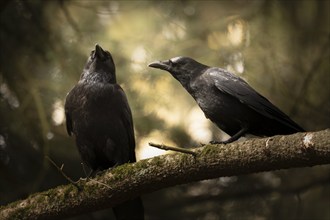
point(184, 69)
point(99, 66)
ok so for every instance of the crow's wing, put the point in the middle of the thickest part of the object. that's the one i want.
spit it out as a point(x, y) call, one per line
point(68, 123)
point(67, 109)
point(231, 84)
point(127, 120)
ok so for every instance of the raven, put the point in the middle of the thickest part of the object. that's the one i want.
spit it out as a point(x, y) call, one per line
point(98, 115)
point(228, 101)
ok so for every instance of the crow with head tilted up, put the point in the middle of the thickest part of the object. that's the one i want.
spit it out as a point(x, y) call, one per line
point(228, 101)
point(98, 115)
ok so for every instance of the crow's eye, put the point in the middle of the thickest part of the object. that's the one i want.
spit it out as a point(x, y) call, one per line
point(175, 61)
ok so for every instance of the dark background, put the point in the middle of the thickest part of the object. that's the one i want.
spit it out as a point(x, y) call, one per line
point(280, 47)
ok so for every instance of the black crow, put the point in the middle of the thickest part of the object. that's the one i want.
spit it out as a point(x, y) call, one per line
point(228, 101)
point(98, 115)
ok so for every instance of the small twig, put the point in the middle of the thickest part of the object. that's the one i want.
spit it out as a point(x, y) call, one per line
point(60, 169)
point(98, 182)
point(178, 149)
point(88, 177)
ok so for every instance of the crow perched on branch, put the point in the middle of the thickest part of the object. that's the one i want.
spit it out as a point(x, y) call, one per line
point(98, 115)
point(228, 101)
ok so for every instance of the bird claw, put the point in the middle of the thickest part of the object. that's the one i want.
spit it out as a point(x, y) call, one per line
point(218, 142)
point(213, 142)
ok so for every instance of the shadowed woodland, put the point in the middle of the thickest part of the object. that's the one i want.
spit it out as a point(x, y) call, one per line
point(281, 48)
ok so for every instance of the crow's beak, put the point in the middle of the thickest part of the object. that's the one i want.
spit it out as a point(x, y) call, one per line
point(99, 52)
point(164, 65)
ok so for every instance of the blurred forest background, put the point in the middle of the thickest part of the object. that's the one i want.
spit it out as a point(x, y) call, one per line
point(280, 47)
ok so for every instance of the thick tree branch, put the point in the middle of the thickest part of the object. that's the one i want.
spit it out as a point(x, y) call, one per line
point(131, 180)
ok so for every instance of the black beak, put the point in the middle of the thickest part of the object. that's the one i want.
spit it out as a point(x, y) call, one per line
point(99, 52)
point(163, 65)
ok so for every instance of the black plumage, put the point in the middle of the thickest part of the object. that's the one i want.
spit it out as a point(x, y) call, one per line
point(228, 101)
point(98, 115)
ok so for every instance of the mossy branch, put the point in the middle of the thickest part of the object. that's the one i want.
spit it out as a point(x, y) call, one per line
point(211, 161)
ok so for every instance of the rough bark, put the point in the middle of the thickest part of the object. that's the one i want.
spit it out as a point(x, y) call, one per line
point(130, 180)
